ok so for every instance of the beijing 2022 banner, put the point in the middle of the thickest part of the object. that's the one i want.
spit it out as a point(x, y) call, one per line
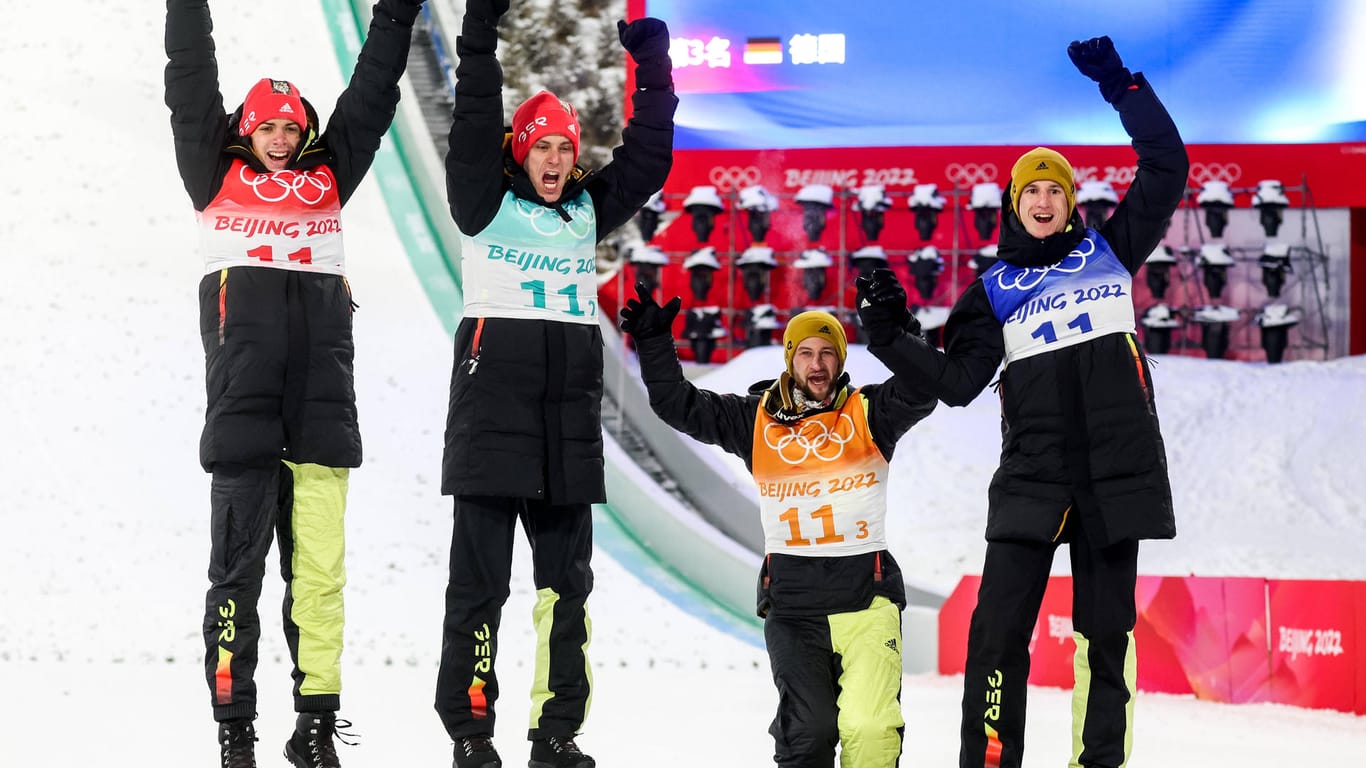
point(790, 74)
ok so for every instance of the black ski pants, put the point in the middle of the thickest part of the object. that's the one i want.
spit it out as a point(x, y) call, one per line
point(303, 507)
point(1014, 578)
point(839, 684)
point(561, 538)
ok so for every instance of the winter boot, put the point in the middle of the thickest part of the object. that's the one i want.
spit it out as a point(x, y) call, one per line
point(555, 752)
point(311, 745)
point(476, 752)
point(237, 739)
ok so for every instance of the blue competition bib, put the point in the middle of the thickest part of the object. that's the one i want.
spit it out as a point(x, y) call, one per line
point(1087, 294)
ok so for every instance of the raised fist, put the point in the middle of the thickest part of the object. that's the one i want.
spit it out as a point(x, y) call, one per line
point(1097, 59)
point(646, 39)
point(488, 10)
point(882, 309)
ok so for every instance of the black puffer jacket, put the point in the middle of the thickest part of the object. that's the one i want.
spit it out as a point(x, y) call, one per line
point(1079, 425)
point(278, 343)
point(525, 420)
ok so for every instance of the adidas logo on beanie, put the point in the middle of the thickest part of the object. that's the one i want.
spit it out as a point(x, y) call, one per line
point(1042, 164)
point(271, 100)
point(813, 323)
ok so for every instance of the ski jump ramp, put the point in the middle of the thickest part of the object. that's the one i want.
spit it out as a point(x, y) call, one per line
point(704, 559)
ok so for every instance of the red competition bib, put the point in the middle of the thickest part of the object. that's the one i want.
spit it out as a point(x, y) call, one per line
point(285, 220)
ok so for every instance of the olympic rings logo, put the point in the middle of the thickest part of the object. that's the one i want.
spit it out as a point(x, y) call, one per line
point(309, 188)
point(1027, 279)
point(968, 174)
point(727, 178)
point(1226, 172)
point(795, 444)
point(548, 222)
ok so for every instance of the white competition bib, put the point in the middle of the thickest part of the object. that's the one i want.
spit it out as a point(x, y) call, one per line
point(530, 263)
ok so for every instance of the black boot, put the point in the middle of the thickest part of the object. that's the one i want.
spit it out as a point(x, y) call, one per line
point(237, 740)
point(555, 752)
point(311, 745)
point(476, 752)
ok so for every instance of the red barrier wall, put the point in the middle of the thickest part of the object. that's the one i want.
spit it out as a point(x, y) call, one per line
point(1222, 639)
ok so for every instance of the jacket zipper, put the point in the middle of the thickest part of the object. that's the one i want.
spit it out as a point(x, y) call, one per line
point(1138, 370)
point(474, 345)
point(222, 306)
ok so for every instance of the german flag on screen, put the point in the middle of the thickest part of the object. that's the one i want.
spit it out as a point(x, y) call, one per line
point(763, 50)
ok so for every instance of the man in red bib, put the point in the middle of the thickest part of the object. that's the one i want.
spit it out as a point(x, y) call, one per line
point(280, 434)
point(830, 593)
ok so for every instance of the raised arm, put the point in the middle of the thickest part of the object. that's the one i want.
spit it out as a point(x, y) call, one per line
point(365, 109)
point(973, 343)
point(474, 164)
point(1139, 221)
point(717, 419)
point(199, 124)
point(640, 164)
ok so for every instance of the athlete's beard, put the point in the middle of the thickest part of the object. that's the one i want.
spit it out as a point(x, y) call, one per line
point(805, 399)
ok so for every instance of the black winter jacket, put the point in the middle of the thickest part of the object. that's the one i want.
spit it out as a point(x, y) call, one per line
point(525, 420)
point(789, 585)
point(278, 343)
point(1079, 425)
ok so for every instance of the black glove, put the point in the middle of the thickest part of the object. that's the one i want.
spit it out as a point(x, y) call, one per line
point(644, 319)
point(647, 40)
point(882, 307)
point(487, 10)
point(404, 12)
point(1096, 58)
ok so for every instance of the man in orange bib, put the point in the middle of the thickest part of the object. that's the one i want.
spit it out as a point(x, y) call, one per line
point(830, 593)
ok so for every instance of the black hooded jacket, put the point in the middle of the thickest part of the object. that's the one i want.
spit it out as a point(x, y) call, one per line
point(278, 343)
point(1079, 425)
point(524, 419)
point(789, 585)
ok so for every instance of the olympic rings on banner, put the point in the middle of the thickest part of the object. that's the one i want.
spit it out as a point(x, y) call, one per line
point(1226, 172)
point(968, 174)
point(727, 178)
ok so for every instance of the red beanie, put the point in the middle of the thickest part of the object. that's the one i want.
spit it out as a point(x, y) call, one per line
point(543, 115)
point(269, 100)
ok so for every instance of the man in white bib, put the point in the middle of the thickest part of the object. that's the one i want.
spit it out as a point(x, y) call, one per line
point(523, 428)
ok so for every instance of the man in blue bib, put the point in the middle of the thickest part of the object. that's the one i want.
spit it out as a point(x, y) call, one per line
point(1082, 459)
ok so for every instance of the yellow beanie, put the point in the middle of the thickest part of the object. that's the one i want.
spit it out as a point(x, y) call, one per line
point(1042, 164)
point(814, 323)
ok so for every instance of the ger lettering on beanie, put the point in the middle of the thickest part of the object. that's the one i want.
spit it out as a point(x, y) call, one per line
point(544, 114)
point(814, 323)
point(1042, 164)
point(270, 100)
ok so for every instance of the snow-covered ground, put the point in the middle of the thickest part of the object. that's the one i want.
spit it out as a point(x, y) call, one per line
point(103, 506)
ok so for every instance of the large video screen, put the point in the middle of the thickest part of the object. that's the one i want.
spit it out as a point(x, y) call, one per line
point(869, 73)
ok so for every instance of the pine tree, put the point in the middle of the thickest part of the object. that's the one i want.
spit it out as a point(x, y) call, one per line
point(571, 49)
